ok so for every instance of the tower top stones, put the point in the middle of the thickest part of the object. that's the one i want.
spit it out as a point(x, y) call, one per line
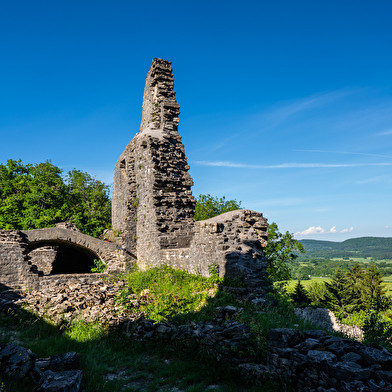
point(160, 108)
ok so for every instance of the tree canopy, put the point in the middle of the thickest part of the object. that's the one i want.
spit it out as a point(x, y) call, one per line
point(281, 251)
point(37, 196)
point(208, 206)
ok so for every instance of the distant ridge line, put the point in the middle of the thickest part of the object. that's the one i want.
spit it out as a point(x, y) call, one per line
point(377, 247)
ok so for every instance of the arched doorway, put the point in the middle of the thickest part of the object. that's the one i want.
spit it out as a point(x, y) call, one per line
point(61, 258)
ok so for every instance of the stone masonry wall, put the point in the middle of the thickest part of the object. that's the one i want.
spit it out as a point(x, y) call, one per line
point(234, 241)
point(14, 267)
point(153, 205)
point(43, 258)
point(18, 266)
point(314, 362)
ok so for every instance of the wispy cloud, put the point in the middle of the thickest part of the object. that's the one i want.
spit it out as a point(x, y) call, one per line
point(314, 101)
point(346, 152)
point(288, 165)
point(388, 132)
point(383, 179)
point(319, 230)
point(284, 201)
point(223, 142)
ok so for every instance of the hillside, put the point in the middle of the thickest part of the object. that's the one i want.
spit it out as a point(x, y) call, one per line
point(367, 247)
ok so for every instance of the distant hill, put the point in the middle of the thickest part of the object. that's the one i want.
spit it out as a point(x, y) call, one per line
point(373, 247)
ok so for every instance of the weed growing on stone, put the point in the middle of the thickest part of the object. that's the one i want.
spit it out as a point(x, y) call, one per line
point(165, 293)
point(98, 267)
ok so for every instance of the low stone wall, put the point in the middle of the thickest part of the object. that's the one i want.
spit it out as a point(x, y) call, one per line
point(312, 361)
point(55, 373)
point(327, 320)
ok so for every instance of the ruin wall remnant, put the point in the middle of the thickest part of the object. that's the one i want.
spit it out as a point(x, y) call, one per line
point(24, 264)
point(153, 207)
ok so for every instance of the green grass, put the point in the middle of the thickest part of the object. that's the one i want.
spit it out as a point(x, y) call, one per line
point(112, 361)
point(306, 283)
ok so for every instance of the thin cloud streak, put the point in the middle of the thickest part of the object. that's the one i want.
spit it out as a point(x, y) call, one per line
point(345, 152)
point(313, 101)
point(383, 179)
point(288, 165)
point(389, 132)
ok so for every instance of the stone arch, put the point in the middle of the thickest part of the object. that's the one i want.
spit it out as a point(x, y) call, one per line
point(76, 248)
point(60, 257)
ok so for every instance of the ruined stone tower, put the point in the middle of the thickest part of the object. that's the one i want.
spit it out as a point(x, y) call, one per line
point(153, 206)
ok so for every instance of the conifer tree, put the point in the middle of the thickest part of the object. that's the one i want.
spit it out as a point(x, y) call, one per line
point(340, 295)
point(372, 288)
point(355, 281)
point(300, 295)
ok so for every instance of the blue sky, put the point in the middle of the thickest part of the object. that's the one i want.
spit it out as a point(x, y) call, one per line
point(285, 106)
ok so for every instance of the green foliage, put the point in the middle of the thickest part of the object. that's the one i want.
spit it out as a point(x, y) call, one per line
point(317, 292)
point(99, 266)
point(208, 206)
point(163, 292)
point(371, 289)
point(300, 295)
point(340, 297)
point(376, 328)
point(356, 318)
point(37, 196)
point(87, 203)
point(355, 290)
point(31, 196)
point(213, 270)
point(135, 202)
point(281, 251)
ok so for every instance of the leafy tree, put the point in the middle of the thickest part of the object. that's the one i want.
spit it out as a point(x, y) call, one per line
point(300, 295)
point(208, 206)
point(37, 196)
point(31, 196)
point(87, 202)
point(281, 251)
